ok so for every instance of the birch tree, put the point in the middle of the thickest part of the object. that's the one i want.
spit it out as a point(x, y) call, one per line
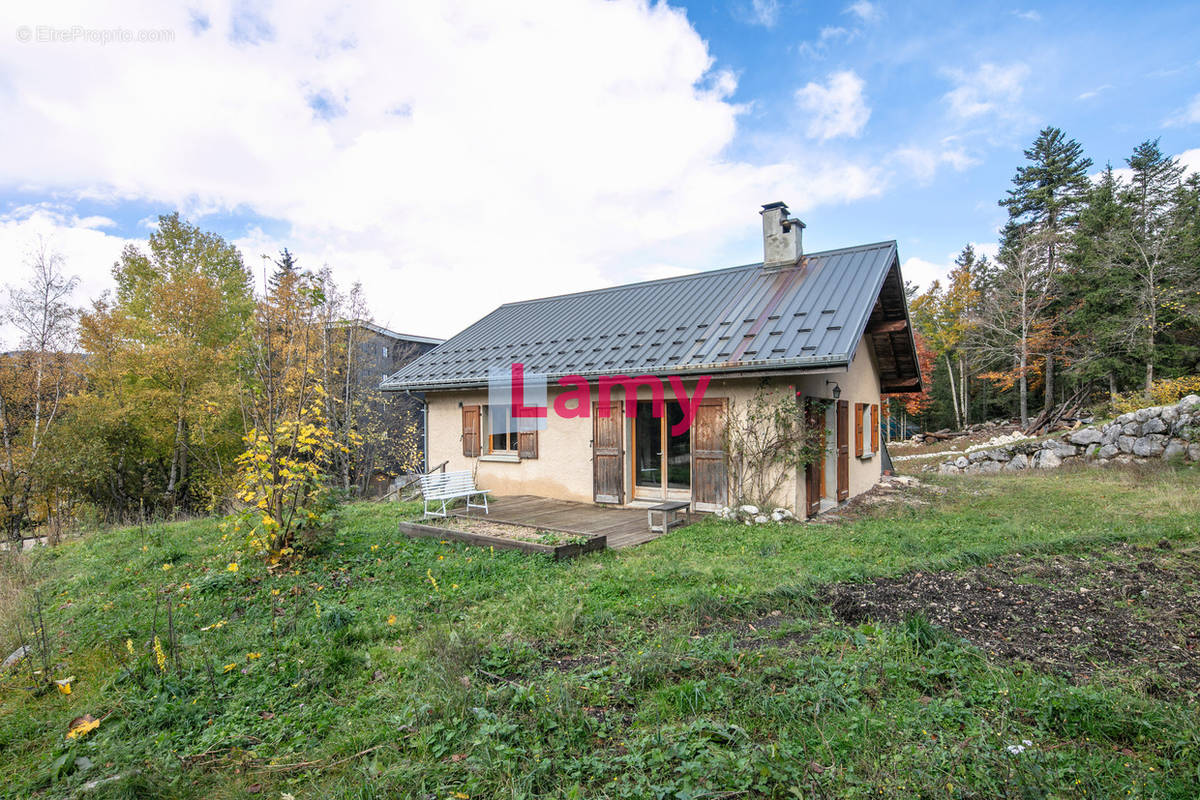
point(35, 379)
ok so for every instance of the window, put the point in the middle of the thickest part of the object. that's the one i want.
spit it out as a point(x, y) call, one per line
point(502, 431)
point(866, 423)
point(385, 351)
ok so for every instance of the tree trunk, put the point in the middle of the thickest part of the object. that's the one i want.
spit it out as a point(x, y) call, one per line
point(1112, 387)
point(1049, 403)
point(963, 390)
point(1023, 386)
point(953, 391)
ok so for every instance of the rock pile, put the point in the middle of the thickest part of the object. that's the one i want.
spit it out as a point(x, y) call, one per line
point(1162, 432)
point(752, 515)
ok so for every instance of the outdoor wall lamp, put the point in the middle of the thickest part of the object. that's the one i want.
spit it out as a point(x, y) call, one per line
point(837, 390)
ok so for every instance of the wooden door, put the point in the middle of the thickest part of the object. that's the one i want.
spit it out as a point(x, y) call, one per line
point(843, 449)
point(814, 419)
point(710, 478)
point(608, 474)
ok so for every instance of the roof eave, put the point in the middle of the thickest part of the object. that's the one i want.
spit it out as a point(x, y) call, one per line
point(757, 366)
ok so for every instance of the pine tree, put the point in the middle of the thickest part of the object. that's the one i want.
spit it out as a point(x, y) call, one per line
point(1045, 201)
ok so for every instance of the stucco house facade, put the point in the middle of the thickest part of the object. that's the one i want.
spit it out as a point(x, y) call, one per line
point(829, 331)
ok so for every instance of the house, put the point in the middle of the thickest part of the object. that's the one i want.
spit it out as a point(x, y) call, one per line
point(375, 353)
point(829, 329)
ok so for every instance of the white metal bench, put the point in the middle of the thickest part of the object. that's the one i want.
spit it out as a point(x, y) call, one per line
point(443, 486)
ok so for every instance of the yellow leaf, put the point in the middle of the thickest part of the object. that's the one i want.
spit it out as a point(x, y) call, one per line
point(82, 726)
point(64, 685)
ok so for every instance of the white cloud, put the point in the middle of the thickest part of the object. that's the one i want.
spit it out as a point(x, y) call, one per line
point(923, 162)
point(1029, 16)
point(865, 11)
point(1091, 93)
point(991, 89)
point(1188, 115)
point(764, 12)
point(1189, 159)
point(837, 108)
point(923, 272)
point(459, 156)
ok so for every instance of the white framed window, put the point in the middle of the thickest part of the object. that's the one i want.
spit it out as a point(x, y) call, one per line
point(501, 435)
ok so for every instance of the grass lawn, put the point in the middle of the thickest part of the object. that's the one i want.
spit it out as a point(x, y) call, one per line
point(705, 664)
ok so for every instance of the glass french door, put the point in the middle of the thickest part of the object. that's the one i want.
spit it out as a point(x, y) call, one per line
point(662, 461)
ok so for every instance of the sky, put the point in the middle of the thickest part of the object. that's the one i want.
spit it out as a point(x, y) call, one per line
point(453, 156)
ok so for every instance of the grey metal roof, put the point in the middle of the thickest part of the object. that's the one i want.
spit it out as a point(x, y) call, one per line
point(737, 319)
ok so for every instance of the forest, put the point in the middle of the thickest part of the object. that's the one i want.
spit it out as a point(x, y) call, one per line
point(182, 392)
point(1094, 294)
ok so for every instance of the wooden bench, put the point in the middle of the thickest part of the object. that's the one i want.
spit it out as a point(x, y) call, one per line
point(443, 486)
point(670, 514)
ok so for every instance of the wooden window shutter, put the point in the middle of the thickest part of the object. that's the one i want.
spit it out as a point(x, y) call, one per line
point(527, 444)
point(470, 431)
point(843, 450)
point(875, 428)
point(858, 429)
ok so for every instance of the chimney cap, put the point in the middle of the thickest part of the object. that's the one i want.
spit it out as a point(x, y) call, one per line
point(776, 204)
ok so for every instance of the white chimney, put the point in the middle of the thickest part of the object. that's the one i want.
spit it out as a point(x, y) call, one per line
point(782, 245)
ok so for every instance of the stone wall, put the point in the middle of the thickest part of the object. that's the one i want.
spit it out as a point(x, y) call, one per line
point(1159, 433)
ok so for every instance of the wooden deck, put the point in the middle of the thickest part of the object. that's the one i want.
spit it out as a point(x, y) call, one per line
point(624, 527)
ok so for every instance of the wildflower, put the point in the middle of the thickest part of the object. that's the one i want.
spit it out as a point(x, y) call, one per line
point(391, 620)
point(253, 656)
point(374, 547)
point(233, 567)
point(159, 656)
point(214, 626)
point(166, 567)
point(433, 580)
point(229, 668)
point(129, 646)
point(64, 685)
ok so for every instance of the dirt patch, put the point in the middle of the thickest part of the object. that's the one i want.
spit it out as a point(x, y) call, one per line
point(504, 530)
point(1129, 607)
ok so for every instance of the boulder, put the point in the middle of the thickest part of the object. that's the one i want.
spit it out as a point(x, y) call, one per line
point(961, 462)
point(1107, 451)
point(1019, 461)
point(1153, 425)
point(1193, 451)
point(751, 510)
point(987, 467)
point(948, 469)
point(1061, 449)
point(1175, 450)
point(1189, 403)
point(1111, 432)
point(760, 519)
point(1147, 446)
point(1125, 444)
point(1085, 437)
point(1091, 450)
point(1131, 429)
point(977, 456)
point(1047, 459)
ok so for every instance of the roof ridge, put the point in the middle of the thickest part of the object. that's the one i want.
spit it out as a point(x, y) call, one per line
point(692, 275)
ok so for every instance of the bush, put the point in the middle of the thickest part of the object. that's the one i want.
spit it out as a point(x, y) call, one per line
point(1162, 393)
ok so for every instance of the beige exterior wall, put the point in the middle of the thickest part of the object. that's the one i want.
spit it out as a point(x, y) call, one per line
point(563, 468)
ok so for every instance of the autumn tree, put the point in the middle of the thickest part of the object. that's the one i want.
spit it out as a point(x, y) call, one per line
point(172, 340)
point(284, 472)
point(35, 381)
point(1015, 315)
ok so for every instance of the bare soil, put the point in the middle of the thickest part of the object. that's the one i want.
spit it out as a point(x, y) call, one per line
point(504, 530)
point(1135, 608)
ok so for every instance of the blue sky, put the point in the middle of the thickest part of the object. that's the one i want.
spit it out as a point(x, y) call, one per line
point(452, 157)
